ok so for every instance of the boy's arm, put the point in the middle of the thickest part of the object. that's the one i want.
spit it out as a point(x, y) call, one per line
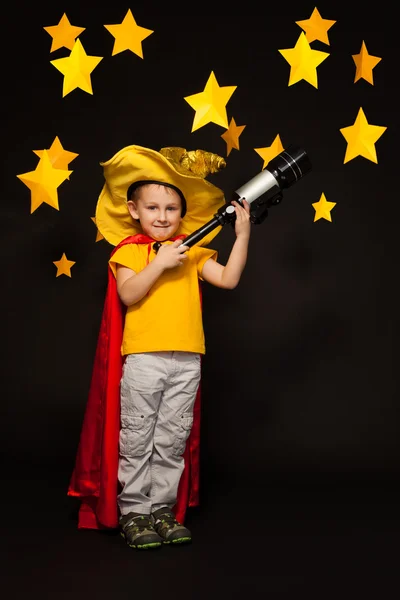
point(132, 286)
point(228, 276)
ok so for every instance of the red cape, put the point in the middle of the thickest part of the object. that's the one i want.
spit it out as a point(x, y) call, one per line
point(95, 476)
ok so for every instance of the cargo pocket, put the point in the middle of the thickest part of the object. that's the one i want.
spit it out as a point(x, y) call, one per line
point(134, 435)
point(184, 427)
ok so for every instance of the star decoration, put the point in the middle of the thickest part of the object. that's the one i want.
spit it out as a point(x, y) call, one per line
point(268, 153)
point(323, 209)
point(361, 138)
point(316, 28)
point(210, 104)
point(364, 64)
point(63, 34)
point(303, 61)
point(231, 136)
point(63, 266)
point(59, 157)
point(43, 182)
point(128, 35)
point(99, 236)
point(76, 69)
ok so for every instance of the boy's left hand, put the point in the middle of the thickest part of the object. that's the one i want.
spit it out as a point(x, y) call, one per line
point(242, 222)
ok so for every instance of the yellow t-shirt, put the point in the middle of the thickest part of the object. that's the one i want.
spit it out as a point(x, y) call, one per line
point(169, 317)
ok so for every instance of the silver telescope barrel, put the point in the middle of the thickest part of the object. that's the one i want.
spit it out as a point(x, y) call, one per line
point(257, 186)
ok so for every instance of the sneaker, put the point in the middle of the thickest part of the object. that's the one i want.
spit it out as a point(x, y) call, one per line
point(169, 529)
point(138, 531)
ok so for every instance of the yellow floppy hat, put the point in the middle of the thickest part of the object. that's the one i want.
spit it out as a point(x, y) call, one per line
point(185, 170)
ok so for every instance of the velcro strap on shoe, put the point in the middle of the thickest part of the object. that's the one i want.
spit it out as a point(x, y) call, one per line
point(140, 521)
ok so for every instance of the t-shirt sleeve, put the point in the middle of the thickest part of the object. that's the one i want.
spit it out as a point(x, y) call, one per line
point(125, 256)
point(203, 254)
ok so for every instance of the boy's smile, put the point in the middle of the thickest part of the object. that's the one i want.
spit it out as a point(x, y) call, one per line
point(158, 209)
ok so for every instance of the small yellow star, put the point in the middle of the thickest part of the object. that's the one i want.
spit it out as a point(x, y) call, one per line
point(99, 236)
point(316, 28)
point(59, 157)
point(323, 209)
point(364, 64)
point(231, 136)
point(128, 35)
point(361, 138)
point(303, 61)
point(76, 69)
point(268, 153)
point(43, 182)
point(63, 266)
point(63, 34)
point(210, 104)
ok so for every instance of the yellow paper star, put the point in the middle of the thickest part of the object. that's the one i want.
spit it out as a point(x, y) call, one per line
point(323, 209)
point(271, 151)
point(303, 61)
point(231, 136)
point(210, 104)
point(43, 182)
point(316, 28)
point(361, 138)
point(76, 69)
point(63, 266)
point(99, 236)
point(63, 34)
point(364, 64)
point(59, 157)
point(128, 35)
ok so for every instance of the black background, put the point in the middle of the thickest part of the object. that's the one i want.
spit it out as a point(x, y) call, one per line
point(299, 387)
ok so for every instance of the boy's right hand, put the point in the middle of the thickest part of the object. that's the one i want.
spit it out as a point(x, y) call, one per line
point(171, 255)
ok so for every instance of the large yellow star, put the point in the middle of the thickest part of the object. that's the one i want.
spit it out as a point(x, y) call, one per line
point(128, 35)
point(364, 64)
point(76, 69)
point(43, 182)
point(99, 236)
point(323, 209)
point(268, 153)
point(59, 157)
point(303, 61)
point(231, 136)
point(316, 28)
point(361, 138)
point(63, 34)
point(63, 266)
point(210, 104)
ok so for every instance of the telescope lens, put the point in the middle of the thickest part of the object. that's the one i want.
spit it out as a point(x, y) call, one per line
point(289, 166)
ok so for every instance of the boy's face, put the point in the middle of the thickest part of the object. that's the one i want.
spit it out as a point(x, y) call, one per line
point(158, 208)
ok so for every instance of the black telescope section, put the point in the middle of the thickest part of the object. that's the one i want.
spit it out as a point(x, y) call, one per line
point(289, 166)
point(261, 192)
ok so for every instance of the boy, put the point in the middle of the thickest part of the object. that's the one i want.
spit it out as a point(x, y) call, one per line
point(162, 196)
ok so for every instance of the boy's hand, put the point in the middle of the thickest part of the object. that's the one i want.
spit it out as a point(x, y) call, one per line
point(171, 255)
point(242, 222)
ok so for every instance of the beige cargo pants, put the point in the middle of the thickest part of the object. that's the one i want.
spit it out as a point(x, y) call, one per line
point(158, 391)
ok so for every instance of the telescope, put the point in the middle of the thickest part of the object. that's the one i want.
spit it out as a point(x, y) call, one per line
point(261, 192)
